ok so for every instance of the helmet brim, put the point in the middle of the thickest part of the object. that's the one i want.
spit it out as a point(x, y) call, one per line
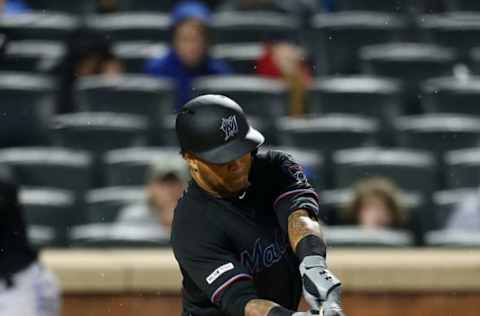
point(233, 150)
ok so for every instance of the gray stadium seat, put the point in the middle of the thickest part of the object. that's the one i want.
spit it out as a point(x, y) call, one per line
point(99, 131)
point(258, 97)
point(132, 94)
point(115, 236)
point(103, 205)
point(336, 38)
point(41, 25)
point(241, 57)
point(457, 30)
point(32, 56)
point(134, 54)
point(49, 167)
point(132, 26)
point(445, 203)
point(73, 7)
point(463, 168)
point(253, 27)
point(452, 95)
point(328, 132)
point(412, 171)
point(392, 6)
point(41, 236)
point(311, 161)
point(410, 62)
point(475, 60)
point(51, 208)
point(438, 132)
point(374, 97)
point(453, 239)
point(352, 236)
point(147, 5)
point(26, 106)
point(127, 167)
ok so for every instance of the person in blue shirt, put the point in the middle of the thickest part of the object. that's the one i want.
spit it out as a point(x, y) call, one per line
point(188, 57)
point(10, 7)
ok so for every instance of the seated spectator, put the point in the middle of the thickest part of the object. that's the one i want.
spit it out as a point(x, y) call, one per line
point(88, 53)
point(286, 61)
point(189, 56)
point(467, 215)
point(164, 188)
point(375, 204)
point(8, 7)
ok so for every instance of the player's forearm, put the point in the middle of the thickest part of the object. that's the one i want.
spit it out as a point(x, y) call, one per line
point(300, 225)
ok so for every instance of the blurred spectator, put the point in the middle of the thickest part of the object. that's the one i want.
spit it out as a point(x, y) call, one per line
point(300, 8)
point(467, 215)
point(26, 287)
point(285, 60)
point(88, 53)
point(376, 204)
point(189, 56)
point(166, 183)
point(8, 7)
point(107, 6)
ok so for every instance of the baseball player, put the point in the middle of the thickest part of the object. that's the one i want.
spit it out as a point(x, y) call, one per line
point(245, 232)
point(26, 288)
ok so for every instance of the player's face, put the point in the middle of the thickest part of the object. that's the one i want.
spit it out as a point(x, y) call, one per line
point(224, 179)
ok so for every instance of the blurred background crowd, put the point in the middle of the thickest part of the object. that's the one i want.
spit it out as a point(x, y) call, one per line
point(377, 99)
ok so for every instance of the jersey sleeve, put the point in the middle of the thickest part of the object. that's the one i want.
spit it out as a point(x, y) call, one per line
point(292, 189)
point(203, 254)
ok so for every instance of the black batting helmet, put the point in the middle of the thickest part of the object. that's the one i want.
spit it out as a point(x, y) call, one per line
point(215, 129)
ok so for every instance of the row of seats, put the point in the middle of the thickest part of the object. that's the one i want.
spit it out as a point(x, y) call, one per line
point(413, 171)
point(64, 221)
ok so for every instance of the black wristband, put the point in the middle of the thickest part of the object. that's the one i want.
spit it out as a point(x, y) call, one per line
point(311, 245)
point(280, 311)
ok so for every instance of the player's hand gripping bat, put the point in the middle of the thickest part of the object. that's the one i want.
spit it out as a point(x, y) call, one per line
point(321, 289)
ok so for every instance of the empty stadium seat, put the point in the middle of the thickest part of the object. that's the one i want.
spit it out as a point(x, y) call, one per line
point(352, 236)
point(26, 106)
point(438, 132)
point(127, 167)
point(241, 57)
point(103, 205)
point(311, 161)
point(147, 5)
point(132, 26)
point(463, 168)
point(72, 7)
point(336, 38)
point(457, 30)
point(453, 239)
point(445, 203)
point(410, 62)
point(133, 94)
point(475, 60)
point(134, 54)
point(115, 236)
point(464, 5)
point(328, 132)
point(373, 97)
point(452, 95)
point(259, 97)
point(50, 208)
point(99, 131)
point(253, 27)
point(412, 171)
point(41, 236)
point(49, 167)
point(392, 6)
point(32, 56)
point(41, 25)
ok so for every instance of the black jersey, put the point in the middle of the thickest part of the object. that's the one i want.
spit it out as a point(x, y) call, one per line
point(223, 242)
point(15, 252)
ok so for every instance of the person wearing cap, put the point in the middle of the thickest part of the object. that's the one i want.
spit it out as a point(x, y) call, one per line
point(166, 181)
point(246, 232)
point(188, 57)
